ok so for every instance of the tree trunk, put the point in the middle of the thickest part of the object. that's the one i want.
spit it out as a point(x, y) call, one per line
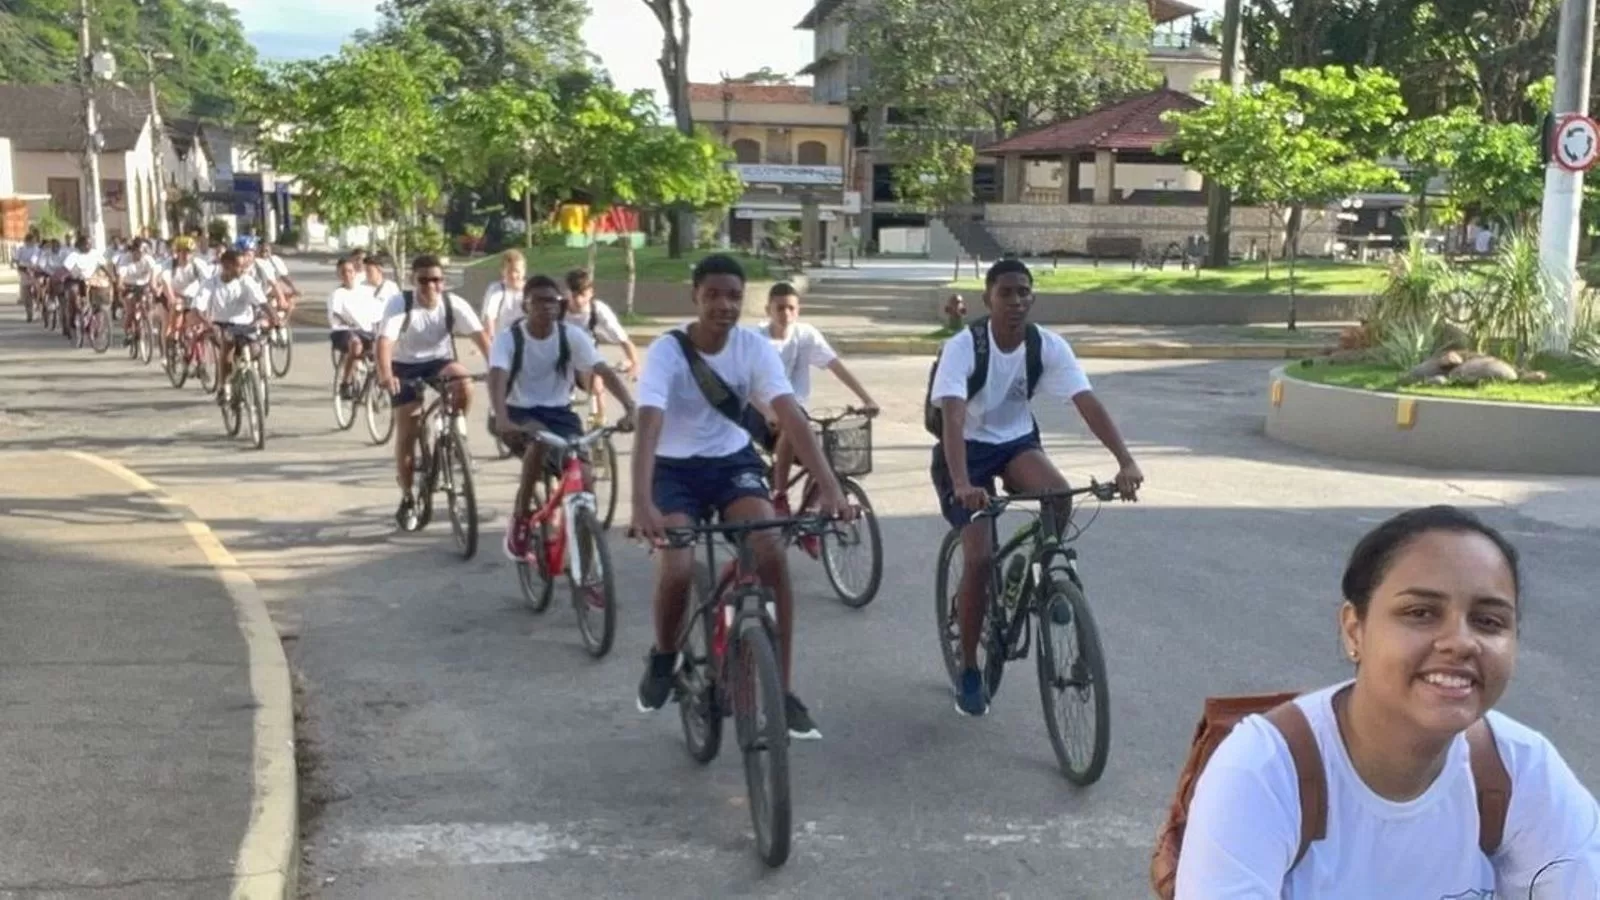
point(627, 250)
point(1294, 256)
point(1297, 215)
point(527, 219)
point(674, 64)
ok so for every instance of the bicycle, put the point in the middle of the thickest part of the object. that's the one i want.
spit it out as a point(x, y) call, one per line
point(92, 324)
point(280, 339)
point(848, 450)
point(139, 333)
point(603, 464)
point(193, 350)
point(443, 464)
point(245, 381)
point(1040, 582)
point(565, 515)
point(366, 397)
point(737, 620)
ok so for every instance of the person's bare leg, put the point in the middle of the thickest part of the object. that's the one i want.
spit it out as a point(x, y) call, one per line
point(674, 570)
point(976, 562)
point(782, 464)
point(1031, 471)
point(405, 439)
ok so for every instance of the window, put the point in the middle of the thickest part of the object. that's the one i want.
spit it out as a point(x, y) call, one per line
point(813, 153)
point(746, 151)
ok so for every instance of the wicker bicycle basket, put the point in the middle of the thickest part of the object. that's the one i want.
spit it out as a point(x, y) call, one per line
point(848, 447)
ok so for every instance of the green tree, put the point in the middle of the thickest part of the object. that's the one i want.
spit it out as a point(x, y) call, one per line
point(937, 174)
point(524, 42)
point(363, 132)
point(764, 75)
point(509, 139)
point(1301, 144)
point(39, 45)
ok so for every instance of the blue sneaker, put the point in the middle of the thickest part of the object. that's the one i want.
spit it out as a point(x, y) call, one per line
point(970, 699)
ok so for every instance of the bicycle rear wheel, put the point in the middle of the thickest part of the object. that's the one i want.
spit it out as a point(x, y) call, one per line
point(461, 501)
point(699, 705)
point(1072, 682)
point(344, 408)
point(232, 419)
point(853, 561)
point(947, 608)
point(594, 594)
point(763, 731)
point(176, 363)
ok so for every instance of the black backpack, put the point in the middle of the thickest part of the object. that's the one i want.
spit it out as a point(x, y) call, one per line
point(1033, 342)
point(518, 340)
point(722, 397)
point(449, 317)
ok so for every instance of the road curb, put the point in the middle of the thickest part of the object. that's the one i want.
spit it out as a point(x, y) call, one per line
point(922, 346)
point(267, 863)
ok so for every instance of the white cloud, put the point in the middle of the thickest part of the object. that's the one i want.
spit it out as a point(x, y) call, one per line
point(726, 36)
point(319, 18)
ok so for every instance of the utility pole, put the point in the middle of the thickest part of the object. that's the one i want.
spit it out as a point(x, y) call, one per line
point(94, 210)
point(159, 137)
point(1219, 199)
point(1559, 218)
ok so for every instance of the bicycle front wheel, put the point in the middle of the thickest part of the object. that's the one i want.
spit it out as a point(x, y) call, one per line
point(100, 331)
point(1072, 682)
point(594, 594)
point(255, 408)
point(232, 419)
point(461, 501)
point(853, 559)
point(763, 731)
point(699, 704)
point(380, 412)
point(280, 347)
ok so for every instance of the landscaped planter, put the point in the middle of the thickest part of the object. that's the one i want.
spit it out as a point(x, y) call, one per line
point(1433, 432)
point(1171, 309)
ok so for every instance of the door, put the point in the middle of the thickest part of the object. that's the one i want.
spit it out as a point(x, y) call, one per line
point(66, 199)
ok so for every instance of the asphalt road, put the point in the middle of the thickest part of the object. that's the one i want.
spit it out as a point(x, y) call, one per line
point(458, 746)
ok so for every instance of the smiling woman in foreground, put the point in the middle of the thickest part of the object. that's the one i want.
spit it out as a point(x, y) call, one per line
point(1410, 749)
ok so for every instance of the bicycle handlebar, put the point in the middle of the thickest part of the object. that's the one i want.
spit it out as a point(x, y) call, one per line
point(1102, 491)
point(848, 413)
point(684, 536)
point(539, 433)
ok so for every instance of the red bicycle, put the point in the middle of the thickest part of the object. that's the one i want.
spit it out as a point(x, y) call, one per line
point(565, 515)
point(195, 349)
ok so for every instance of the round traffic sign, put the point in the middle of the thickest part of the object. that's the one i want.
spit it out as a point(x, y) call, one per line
point(1575, 143)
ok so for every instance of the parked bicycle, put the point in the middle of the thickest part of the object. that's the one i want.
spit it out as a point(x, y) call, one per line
point(244, 401)
point(566, 534)
point(1035, 579)
point(852, 555)
point(443, 464)
point(362, 394)
point(729, 644)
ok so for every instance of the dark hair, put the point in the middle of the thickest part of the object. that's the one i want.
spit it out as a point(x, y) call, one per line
point(229, 255)
point(1370, 560)
point(579, 280)
point(536, 282)
point(717, 264)
point(425, 261)
point(782, 289)
point(1006, 266)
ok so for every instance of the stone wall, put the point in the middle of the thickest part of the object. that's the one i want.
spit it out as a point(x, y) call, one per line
point(1040, 230)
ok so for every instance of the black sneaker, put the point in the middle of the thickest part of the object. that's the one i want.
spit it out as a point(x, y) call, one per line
point(801, 728)
point(656, 685)
point(406, 515)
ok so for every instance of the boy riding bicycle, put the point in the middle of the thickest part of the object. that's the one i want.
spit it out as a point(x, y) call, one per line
point(692, 460)
point(531, 371)
point(990, 433)
point(354, 313)
point(802, 348)
point(236, 306)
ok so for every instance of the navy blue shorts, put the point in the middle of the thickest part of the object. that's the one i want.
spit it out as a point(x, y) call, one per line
point(341, 339)
point(410, 393)
point(560, 421)
point(702, 485)
point(239, 334)
point(985, 463)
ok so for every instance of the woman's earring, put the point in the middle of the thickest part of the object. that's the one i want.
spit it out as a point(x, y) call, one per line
point(1354, 656)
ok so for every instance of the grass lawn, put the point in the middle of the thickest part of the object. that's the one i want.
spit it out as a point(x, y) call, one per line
point(1116, 277)
point(1571, 383)
point(610, 264)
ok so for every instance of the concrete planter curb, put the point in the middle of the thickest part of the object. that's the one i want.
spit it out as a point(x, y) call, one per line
point(1433, 432)
point(1171, 309)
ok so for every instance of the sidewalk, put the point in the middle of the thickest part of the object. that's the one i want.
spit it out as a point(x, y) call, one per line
point(131, 764)
point(865, 335)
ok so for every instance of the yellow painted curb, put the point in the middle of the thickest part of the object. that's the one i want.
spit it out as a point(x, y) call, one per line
point(266, 865)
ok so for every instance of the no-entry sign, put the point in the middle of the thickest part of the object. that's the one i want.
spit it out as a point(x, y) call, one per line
point(1575, 143)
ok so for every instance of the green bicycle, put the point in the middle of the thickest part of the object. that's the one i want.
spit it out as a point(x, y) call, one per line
point(1040, 583)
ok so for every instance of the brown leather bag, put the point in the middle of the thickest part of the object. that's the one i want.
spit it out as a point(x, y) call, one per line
point(1221, 714)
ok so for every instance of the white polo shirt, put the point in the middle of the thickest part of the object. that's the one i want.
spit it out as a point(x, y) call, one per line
point(691, 426)
point(428, 338)
point(1000, 411)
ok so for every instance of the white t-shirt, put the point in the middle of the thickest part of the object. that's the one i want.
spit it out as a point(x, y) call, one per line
point(353, 304)
point(26, 255)
point(181, 278)
point(1000, 413)
point(139, 272)
point(803, 350)
point(500, 303)
point(263, 273)
point(1244, 824)
point(539, 383)
point(82, 265)
point(235, 302)
point(428, 338)
point(385, 292)
point(691, 426)
point(607, 327)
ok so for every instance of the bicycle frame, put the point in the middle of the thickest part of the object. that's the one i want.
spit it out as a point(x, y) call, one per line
point(568, 497)
point(736, 583)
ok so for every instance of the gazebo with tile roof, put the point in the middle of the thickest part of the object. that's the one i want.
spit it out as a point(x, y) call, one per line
point(1127, 132)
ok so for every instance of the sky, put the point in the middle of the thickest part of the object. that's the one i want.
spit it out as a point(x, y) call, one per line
point(728, 36)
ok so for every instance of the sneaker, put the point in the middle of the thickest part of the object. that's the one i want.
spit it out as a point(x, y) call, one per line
point(406, 515)
point(801, 728)
point(970, 700)
point(516, 543)
point(656, 685)
point(780, 505)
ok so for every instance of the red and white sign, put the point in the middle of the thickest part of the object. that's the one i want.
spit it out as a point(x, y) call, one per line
point(1575, 143)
